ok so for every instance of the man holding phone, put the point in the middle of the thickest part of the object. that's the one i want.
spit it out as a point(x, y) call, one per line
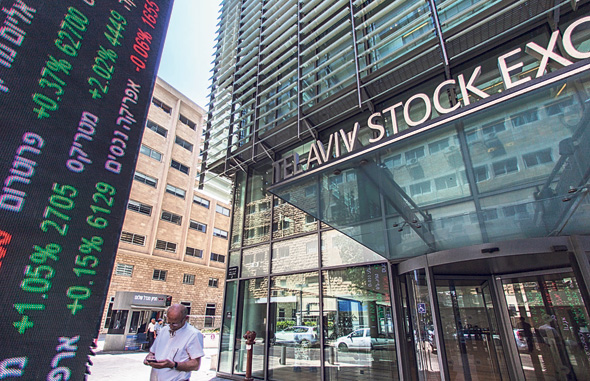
point(177, 350)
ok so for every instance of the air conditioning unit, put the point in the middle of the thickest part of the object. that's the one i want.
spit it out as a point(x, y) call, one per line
point(412, 161)
point(491, 135)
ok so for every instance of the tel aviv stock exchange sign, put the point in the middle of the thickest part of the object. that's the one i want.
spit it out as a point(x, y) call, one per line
point(75, 83)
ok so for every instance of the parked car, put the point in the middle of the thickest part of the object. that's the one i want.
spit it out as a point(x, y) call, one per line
point(361, 340)
point(303, 335)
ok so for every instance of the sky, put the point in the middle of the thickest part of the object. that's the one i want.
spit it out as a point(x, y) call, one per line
point(188, 50)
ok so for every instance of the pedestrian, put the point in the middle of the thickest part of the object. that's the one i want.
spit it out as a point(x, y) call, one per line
point(178, 348)
point(151, 332)
point(158, 326)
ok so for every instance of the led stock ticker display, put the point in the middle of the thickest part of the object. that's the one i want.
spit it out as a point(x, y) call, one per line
point(75, 84)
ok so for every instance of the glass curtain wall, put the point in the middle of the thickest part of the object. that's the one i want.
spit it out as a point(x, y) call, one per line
point(359, 336)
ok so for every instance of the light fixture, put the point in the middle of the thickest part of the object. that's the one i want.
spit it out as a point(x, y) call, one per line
point(337, 172)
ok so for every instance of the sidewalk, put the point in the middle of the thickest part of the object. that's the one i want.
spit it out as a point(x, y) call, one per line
point(123, 366)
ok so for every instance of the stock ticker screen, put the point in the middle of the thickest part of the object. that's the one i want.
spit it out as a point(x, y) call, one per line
point(75, 84)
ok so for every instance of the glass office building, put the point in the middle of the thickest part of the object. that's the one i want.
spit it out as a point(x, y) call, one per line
point(411, 188)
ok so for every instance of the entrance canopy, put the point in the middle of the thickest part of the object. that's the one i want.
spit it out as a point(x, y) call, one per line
point(513, 166)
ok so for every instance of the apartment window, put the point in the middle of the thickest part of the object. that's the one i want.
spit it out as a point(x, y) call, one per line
point(309, 219)
point(420, 188)
point(438, 145)
point(505, 166)
point(481, 173)
point(310, 191)
point(188, 307)
point(166, 246)
point(515, 211)
point(160, 275)
point(537, 158)
point(219, 233)
point(210, 315)
point(445, 182)
point(413, 155)
point(222, 210)
point(218, 258)
point(201, 201)
point(188, 279)
point(556, 108)
point(158, 103)
point(181, 167)
point(123, 269)
point(184, 144)
point(524, 117)
point(175, 191)
point(213, 282)
point(143, 178)
point(156, 128)
point(135, 239)
point(493, 128)
point(393, 161)
point(150, 152)
point(191, 251)
point(139, 207)
point(171, 217)
point(187, 121)
point(198, 226)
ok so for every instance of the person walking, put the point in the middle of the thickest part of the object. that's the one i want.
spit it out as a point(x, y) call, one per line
point(151, 332)
point(178, 348)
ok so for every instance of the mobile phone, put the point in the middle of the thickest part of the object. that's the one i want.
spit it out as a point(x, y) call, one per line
point(151, 360)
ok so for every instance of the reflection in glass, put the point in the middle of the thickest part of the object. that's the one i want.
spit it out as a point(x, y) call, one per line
point(470, 330)
point(238, 210)
point(550, 326)
point(358, 324)
point(252, 297)
point(295, 254)
point(339, 249)
point(228, 329)
point(421, 326)
point(258, 206)
point(294, 318)
point(255, 261)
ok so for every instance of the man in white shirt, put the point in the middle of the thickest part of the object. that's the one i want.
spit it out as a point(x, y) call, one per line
point(151, 332)
point(178, 348)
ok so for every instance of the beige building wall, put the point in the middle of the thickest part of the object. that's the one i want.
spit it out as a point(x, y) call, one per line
point(158, 233)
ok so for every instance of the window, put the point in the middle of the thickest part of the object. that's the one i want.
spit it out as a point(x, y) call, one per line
point(218, 258)
point(525, 117)
point(156, 128)
point(181, 167)
point(158, 103)
point(188, 279)
point(138, 207)
point(222, 210)
point(123, 269)
point(438, 145)
point(148, 180)
point(191, 251)
point(188, 307)
point(394, 161)
point(412, 156)
point(505, 166)
point(171, 217)
point(556, 108)
point(213, 282)
point(198, 226)
point(210, 315)
point(219, 233)
point(493, 128)
point(166, 246)
point(445, 182)
point(160, 275)
point(135, 239)
point(310, 191)
point(516, 211)
point(309, 219)
point(420, 188)
point(187, 121)
point(175, 191)
point(201, 201)
point(538, 157)
point(150, 152)
point(184, 144)
point(481, 173)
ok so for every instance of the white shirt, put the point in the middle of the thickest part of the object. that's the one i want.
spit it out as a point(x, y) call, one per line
point(151, 327)
point(185, 344)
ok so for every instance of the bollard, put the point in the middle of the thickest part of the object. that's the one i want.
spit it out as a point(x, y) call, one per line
point(283, 359)
point(250, 336)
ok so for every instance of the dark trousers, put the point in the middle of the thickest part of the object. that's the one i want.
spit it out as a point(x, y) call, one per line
point(150, 337)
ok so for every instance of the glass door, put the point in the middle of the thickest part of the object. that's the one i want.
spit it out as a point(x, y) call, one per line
point(472, 342)
point(550, 326)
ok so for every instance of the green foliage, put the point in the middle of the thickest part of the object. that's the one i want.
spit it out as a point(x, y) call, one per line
point(284, 324)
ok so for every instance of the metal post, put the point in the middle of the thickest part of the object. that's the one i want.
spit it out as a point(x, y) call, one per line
point(250, 337)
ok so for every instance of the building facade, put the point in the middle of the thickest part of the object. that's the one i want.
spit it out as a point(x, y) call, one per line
point(411, 181)
point(175, 236)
